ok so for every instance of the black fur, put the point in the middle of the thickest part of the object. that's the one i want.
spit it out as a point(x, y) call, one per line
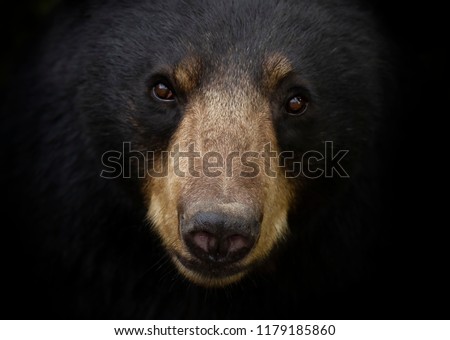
point(82, 248)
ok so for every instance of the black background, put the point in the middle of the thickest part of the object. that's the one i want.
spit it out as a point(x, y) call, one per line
point(416, 263)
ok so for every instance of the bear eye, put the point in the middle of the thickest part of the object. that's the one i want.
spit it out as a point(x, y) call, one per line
point(297, 105)
point(162, 92)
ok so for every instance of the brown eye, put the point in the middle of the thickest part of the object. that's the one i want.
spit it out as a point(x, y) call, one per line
point(163, 92)
point(296, 105)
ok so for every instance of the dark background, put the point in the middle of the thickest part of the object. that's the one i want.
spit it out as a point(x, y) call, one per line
point(417, 258)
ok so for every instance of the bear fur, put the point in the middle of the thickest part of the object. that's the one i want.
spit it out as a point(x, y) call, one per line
point(82, 245)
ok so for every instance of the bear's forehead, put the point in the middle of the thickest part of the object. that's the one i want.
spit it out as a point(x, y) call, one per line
point(273, 67)
point(238, 42)
point(228, 31)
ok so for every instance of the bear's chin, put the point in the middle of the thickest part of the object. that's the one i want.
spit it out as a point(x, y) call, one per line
point(209, 276)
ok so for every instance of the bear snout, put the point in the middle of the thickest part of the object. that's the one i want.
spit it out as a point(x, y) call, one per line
point(215, 237)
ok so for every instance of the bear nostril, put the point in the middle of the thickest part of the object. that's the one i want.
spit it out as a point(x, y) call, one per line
point(237, 243)
point(207, 242)
point(216, 237)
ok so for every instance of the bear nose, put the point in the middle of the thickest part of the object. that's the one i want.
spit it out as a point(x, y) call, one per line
point(216, 237)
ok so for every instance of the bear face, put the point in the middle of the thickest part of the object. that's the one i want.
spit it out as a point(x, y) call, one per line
point(223, 82)
point(76, 245)
point(227, 220)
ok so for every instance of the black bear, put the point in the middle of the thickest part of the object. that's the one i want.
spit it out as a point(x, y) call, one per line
point(197, 159)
